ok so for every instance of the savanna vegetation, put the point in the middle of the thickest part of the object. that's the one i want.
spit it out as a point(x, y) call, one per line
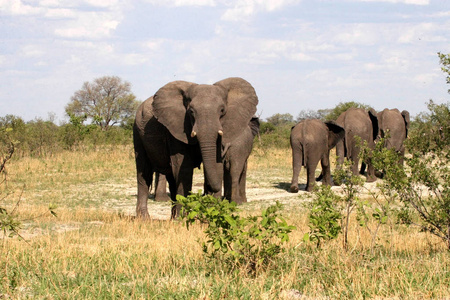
point(67, 196)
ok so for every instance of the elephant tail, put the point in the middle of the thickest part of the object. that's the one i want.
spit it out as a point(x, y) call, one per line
point(304, 154)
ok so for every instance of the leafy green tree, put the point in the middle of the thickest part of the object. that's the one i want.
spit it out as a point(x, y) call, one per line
point(313, 114)
point(343, 106)
point(106, 101)
point(445, 62)
point(281, 119)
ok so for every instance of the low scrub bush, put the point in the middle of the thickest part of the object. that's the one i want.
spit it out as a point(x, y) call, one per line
point(239, 242)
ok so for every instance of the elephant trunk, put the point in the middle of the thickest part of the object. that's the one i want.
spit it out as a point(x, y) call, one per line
point(212, 165)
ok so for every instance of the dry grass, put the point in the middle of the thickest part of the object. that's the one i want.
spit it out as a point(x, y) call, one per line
point(95, 249)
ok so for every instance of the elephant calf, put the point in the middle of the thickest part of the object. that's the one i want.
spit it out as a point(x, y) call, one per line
point(311, 141)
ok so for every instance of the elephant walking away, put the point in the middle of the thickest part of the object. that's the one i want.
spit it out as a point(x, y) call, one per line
point(311, 142)
point(362, 123)
point(393, 126)
point(183, 125)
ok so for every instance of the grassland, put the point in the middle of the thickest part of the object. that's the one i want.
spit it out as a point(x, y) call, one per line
point(95, 249)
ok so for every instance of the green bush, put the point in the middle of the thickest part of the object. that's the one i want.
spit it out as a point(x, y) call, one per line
point(324, 216)
point(248, 242)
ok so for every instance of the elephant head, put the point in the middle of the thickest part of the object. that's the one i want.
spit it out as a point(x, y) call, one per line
point(210, 115)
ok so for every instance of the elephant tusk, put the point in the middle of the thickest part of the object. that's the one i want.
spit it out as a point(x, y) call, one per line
point(193, 133)
point(220, 132)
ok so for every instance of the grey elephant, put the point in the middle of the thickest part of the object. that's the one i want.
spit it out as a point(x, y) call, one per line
point(183, 125)
point(393, 126)
point(235, 156)
point(361, 123)
point(235, 162)
point(311, 142)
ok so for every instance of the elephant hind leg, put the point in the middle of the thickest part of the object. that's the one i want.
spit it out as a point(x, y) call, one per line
point(297, 162)
point(160, 188)
point(310, 173)
point(326, 170)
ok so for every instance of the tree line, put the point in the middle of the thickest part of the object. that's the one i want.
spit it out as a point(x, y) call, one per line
point(102, 112)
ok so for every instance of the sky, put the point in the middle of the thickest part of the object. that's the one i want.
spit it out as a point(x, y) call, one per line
point(297, 54)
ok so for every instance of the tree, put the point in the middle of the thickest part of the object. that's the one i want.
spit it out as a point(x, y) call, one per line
point(281, 119)
point(313, 114)
point(106, 101)
point(343, 106)
point(445, 62)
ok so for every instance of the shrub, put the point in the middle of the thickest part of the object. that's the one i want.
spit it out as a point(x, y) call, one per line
point(324, 216)
point(250, 242)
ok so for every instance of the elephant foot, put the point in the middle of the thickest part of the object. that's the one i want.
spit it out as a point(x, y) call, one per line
point(293, 189)
point(142, 215)
point(309, 188)
point(162, 198)
point(379, 174)
point(371, 178)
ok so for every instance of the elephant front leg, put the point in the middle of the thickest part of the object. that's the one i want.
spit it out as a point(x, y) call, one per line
point(144, 176)
point(181, 181)
point(242, 184)
point(143, 183)
point(370, 173)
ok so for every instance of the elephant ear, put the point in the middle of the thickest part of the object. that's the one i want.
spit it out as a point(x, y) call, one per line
point(373, 117)
point(241, 106)
point(254, 125)
point(405, 115)
point(169, 107)
point(335, 133)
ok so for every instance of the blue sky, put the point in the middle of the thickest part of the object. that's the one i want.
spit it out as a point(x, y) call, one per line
point(298, 54)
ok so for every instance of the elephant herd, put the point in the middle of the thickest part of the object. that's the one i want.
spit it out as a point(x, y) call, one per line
point(186, 124)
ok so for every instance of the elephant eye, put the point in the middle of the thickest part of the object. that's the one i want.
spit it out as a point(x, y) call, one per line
point(222, 111)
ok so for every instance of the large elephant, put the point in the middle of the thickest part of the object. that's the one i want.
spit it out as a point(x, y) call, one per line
point(394, 126)
point(361, 123)
point(311, 142)
point(185, 124)
point(235, 162)
point(235, 156)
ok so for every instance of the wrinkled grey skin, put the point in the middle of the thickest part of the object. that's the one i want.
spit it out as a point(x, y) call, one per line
point(394, 126)
point(311, 142)
point(362, 123)
point(185, 124)
point(235, 163)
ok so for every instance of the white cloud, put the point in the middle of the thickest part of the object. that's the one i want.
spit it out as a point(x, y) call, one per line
point(414, 2)
point(91, 25)
point(16, 7)
point(425, 78)
point(245, 8)
point(177, 3)
point(32, 51)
